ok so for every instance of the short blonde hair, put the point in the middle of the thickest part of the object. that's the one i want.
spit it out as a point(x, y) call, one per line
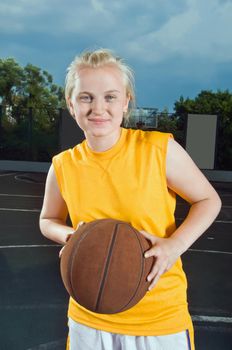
point(95, 59)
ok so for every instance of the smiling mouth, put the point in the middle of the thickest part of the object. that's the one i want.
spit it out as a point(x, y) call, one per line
point(98, 120)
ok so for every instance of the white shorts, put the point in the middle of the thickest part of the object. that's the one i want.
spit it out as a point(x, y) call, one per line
point(85, 338)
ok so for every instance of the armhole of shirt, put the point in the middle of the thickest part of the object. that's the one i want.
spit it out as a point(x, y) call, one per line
point(58, 174)
point(170, 193)
point(168, 136)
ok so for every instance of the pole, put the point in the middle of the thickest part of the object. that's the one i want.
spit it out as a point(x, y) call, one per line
point(30, 119)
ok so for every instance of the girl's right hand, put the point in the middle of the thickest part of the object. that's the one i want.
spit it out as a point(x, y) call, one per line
point(69, 236)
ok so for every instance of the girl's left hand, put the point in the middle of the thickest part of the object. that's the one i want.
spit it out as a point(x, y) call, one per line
point(166, 251)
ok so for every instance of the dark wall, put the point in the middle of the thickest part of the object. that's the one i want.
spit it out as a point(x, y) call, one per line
point(70, 133)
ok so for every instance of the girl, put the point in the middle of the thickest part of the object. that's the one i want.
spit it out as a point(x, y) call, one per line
point(130, 175)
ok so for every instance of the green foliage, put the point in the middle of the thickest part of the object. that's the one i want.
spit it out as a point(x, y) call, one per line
point(11, 77)
point(30, 111)
point(169, 123)
point(166, 122)
point(28, 87)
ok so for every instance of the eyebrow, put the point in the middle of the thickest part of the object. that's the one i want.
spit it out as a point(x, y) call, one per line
point(112, 91)
point(106, 92)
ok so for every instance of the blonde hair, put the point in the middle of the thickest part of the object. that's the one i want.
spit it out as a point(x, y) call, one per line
point(100, 58)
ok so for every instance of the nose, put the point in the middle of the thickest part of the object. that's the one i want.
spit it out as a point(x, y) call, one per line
point(98, 106)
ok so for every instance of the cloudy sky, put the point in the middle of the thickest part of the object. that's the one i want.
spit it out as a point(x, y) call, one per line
point(176, 47)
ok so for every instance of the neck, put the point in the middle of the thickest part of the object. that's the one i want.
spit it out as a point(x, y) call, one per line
point(102, 143)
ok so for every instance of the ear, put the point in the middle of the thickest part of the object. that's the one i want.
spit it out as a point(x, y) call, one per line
point(70, 106)
point(125, 108)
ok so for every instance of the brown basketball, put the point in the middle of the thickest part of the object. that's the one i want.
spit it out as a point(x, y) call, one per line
point(103, 266)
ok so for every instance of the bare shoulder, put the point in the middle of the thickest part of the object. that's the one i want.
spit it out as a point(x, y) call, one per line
point(53, 204)
point(183, 175)
point(51, 178)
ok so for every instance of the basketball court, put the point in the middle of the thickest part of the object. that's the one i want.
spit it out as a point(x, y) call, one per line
point(33, 301)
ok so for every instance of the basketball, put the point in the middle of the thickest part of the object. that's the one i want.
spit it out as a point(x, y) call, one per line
point(103, 266)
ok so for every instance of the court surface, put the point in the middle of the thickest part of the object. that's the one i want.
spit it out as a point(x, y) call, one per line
point(33, 301)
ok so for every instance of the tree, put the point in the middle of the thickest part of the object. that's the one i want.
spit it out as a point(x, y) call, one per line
point(30, 101)
point(209, 102)
point(11, 78)
point(26, 87)
point(166, 122)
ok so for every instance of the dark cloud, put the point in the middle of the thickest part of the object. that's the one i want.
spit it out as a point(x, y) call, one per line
point(176, 47)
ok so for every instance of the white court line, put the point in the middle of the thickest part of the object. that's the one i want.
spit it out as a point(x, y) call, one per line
point(25, 178)
point(188, 207)
point(38, 210)
point(19, 195)
point(30, 195)
point(50, 345)
point(198, 318)
point(209, 251)
point(212, 319)
point(7, 174)
point(30, 246)
point(217, 221)
point(224, 221)
point(59, 245)
point(23, 210)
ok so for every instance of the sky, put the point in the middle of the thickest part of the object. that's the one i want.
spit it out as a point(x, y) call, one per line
point(175, 47)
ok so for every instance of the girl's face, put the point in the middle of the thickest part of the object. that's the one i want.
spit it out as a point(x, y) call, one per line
point(99, 100)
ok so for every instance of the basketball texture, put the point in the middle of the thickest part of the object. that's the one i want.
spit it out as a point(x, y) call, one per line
point(103, 266)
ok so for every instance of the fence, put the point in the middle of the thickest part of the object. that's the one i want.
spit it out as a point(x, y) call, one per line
point(35, 134)
point(29, 134)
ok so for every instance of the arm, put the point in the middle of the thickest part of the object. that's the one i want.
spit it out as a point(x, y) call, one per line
point(54, 212)
point(184, 178)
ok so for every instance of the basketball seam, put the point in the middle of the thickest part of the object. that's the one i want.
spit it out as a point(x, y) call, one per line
point(106, 269)
point(141, 274)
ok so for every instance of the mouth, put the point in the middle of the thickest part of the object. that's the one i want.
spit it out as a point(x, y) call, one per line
point(98, 120)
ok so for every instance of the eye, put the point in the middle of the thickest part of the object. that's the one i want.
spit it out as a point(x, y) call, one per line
point(86, 98)
point(110, 98)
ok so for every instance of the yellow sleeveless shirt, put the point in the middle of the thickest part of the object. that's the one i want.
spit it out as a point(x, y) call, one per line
point(128, 182)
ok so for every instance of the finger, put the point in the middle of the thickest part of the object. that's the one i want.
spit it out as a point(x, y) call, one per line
point(158, 268)
point(69, 235)
point(153, 251)
point(154, 281)
point(80, 224)
point(155, 278)
point(149, 236)
point(60, 252)
point(149, 253)
point(154, 271)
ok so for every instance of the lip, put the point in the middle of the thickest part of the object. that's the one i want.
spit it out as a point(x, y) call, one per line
point(98, 120)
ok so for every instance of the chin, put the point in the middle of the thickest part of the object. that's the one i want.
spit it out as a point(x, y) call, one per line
point(98, 132)
point(105, 130)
